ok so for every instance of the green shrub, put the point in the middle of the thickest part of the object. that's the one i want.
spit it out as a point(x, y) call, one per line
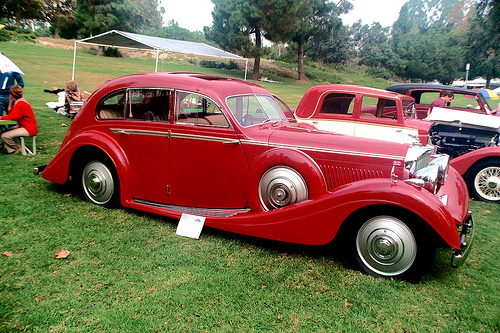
point(10, 33)
point(378, 73)
point(112, 52)
point(218, 64)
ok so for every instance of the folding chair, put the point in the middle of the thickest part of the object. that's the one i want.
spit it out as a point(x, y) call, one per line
point(72, 107)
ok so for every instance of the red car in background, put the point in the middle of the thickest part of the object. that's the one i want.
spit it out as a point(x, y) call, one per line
point(387, 115)
point(175, 143)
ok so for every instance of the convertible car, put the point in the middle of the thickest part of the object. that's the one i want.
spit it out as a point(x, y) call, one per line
point(473, 144)
point(176, 143)
point(423, 93)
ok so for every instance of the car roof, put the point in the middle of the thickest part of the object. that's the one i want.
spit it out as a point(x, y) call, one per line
point(404, 87)
point(203, 83)
point(356, 89)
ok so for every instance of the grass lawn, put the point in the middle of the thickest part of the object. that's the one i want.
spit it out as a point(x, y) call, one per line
point(128, 271)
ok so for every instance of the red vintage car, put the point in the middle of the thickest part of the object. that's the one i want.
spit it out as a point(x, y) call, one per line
point(387, 115)
point(174, 143)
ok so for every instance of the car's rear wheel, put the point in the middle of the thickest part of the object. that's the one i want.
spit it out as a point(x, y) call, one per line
point(484, 182)
point(99, 185)
point(386, 246)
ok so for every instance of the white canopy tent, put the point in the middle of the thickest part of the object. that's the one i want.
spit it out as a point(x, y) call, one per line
point(128, 40)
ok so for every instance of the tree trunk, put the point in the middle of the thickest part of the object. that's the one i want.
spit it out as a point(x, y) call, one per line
point(56, 27)
point(258, 46)
point(300, 68)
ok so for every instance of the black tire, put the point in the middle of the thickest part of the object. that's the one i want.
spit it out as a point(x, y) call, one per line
point(99, 183)
point(392, 247)
point(484, 181)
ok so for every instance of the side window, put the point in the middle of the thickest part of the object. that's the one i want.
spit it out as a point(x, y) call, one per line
point(338, 104)
point(195, 109)
point(427, 97)
point(112, 106)
point(148, 104)
point(378, 107)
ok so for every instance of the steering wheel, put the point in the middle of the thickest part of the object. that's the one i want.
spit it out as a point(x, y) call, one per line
point(247, 120)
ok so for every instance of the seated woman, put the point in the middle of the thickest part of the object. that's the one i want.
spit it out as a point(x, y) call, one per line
point(20, 111)
point(74, 93)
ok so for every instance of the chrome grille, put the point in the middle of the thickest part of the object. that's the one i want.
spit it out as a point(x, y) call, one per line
point(337, 176)
point(417, 157)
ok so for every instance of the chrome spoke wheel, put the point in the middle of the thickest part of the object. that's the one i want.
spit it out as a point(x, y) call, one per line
point(487, 183)
point(98, 184)
point(281, 186)
point(386, 246)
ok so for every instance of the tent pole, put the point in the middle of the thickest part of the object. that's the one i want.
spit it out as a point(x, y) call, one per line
point(74, 61)
point(246, 68)
point(157, 56)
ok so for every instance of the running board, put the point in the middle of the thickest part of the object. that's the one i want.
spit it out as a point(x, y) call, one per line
point(194, 210)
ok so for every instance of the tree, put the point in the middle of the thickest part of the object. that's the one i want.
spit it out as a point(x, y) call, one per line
point(174, 31)
point(58, 13)
point(239, 27)
point(332, 46)
point(147, 14)
point(371, 44)
point(300, 20)
point(19, 10)
point(483, 40)
point(98, 16)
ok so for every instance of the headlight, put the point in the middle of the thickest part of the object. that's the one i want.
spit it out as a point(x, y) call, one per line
point(430, 175)
point(443, 162)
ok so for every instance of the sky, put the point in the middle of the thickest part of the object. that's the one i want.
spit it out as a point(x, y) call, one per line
point(195, 14)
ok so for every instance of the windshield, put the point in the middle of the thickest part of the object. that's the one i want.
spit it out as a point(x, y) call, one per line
point(255, 109)
point(409, 108)
point(486, 106)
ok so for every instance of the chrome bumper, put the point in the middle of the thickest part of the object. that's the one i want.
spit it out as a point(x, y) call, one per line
point(466, 238)
point(39, 170)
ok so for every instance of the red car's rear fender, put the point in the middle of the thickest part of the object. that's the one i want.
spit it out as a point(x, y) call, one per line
point(58, 170)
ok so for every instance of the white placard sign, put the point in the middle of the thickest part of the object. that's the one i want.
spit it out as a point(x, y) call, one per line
point(190, 226)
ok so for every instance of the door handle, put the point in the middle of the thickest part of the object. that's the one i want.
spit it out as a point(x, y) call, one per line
point(234, 142)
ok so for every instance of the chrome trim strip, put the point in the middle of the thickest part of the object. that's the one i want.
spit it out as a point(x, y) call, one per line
point(322, 150)
point(247, 142)
point(202, 138)
point(139, 132)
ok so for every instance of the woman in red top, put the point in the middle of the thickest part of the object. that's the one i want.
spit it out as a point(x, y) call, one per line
point(20, 111)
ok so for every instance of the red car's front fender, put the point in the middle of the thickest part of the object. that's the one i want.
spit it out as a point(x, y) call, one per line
point(463, 162)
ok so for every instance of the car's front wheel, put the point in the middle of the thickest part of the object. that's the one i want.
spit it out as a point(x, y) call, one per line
point(99, 185)
point(385, 246)
point(484, 181)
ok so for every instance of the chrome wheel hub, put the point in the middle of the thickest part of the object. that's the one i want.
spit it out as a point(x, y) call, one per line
point(386, 245)
point(281, 186)
point(97, 183)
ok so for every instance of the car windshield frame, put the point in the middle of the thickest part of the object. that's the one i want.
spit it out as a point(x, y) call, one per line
point(409, 110)
point(255, 109)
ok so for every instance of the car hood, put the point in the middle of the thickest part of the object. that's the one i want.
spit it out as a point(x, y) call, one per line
point(308, 139)
point(464, 117)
